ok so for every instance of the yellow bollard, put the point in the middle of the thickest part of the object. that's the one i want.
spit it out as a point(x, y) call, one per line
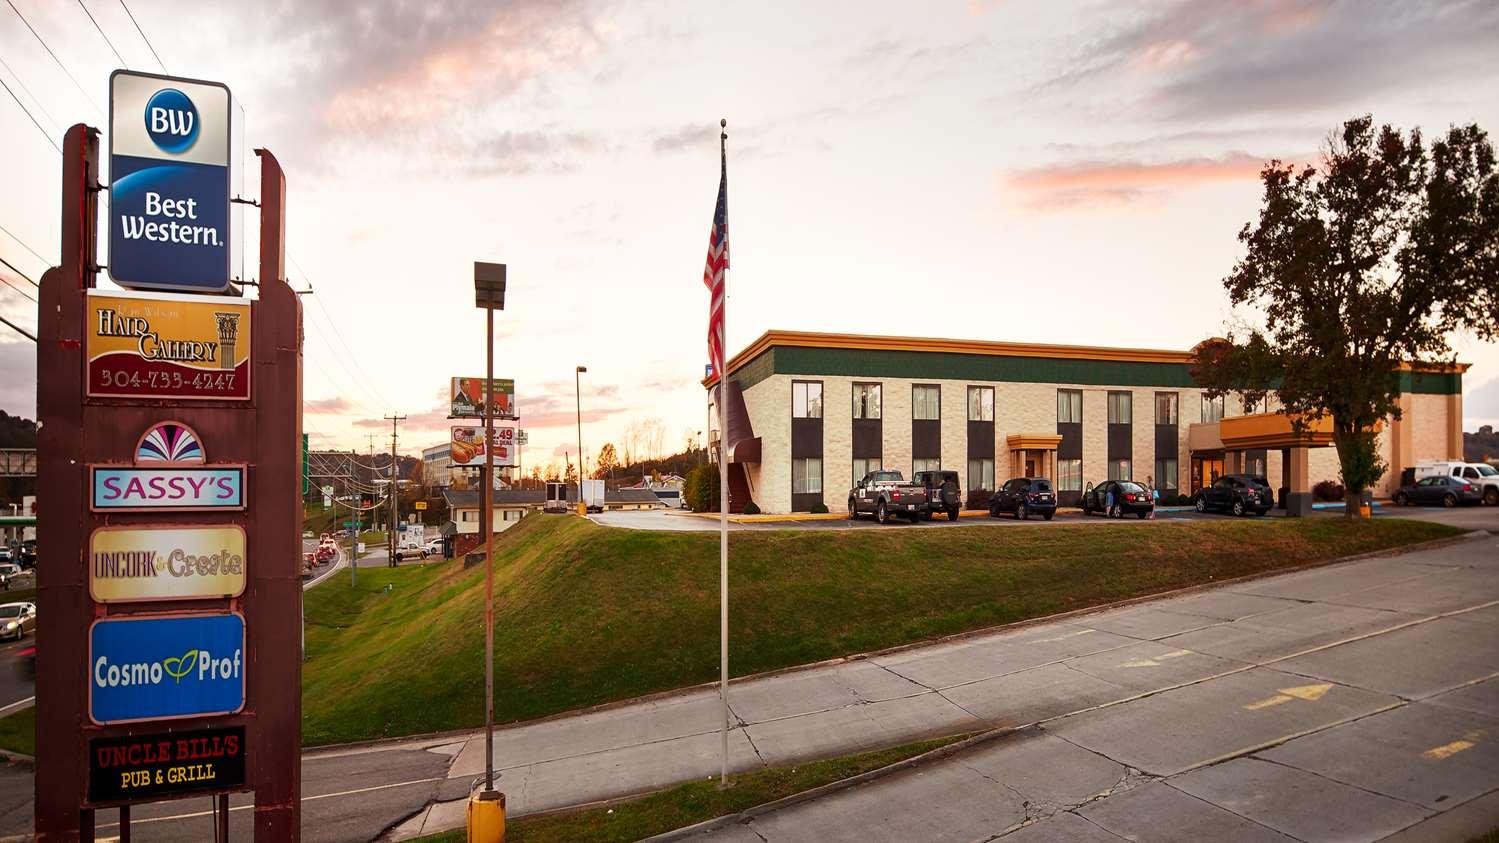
point(583, 509)
point(486, 817)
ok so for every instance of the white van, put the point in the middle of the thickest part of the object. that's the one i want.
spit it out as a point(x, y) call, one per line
point(1479, 474)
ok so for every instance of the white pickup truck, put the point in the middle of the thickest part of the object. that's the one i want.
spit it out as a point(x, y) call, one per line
point(1486, 477)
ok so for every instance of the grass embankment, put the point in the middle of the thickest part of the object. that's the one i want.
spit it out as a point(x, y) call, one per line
point(18, 732)
point(587, 614)
point(695, 802)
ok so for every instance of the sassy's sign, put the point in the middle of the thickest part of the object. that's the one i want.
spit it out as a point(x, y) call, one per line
point(170, 474)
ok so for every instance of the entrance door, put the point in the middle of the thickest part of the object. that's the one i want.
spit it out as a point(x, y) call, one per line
point(1205, 471)
point(1030, 468)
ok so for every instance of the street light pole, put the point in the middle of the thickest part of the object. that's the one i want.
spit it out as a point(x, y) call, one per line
point(578, 395)
point(487, 822)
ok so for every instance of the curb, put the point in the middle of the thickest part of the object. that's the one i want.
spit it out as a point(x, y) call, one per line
point(712, 685)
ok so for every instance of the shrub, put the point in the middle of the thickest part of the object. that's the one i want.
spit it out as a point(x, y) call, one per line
point(978, 499)
point(1327, 490)
point(819, 509)
point(702, 488)
point(751, 508)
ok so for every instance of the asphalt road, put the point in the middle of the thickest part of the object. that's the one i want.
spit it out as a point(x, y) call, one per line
point(16, 683)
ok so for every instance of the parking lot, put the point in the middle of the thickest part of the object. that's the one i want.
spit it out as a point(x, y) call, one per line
point(1470, 518)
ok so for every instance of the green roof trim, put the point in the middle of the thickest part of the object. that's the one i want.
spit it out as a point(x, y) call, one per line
point(933, 365)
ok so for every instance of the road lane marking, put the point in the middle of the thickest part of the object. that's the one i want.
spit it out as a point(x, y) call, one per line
point(1446, 750)
point(1155, 661)
point(1309, 693)
point(1063, 637)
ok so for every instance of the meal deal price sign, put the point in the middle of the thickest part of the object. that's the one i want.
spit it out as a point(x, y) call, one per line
point(130, 769)
point(186, 347)
point(467, 446)
point(154, 668)
point(166, 563)
point(169, 143)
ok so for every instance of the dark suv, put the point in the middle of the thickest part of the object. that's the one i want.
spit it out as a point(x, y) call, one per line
point(1239, 494)
point(1024, 496)
point(942, 493)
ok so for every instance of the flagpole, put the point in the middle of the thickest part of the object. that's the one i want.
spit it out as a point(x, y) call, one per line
point(723, 492)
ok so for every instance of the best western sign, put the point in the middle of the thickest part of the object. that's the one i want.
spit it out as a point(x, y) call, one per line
point(169, 177)
point(149, 668)
point(166, 563)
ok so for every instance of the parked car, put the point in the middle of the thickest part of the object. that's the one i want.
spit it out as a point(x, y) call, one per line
point(28, 553)
point(1130, 498)
point(8, 572)
point(4, 553)
point(17, 619)
point(411, 550)
point(434, 547)
point(942, 493)
point(1239, 494)
point(1024, 496)
point(1440, 488)
point(1482, 475)
point(884, 494)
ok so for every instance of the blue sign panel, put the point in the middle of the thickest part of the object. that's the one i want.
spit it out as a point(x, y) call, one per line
point(169, 174)
point(178, 488)
point(153, 668)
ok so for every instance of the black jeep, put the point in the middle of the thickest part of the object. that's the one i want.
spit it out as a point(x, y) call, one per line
point(942, 493)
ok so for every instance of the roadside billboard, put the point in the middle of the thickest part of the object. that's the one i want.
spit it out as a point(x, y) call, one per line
point(469, 394)
point(162, 667)
point(184, 347)
point(468, 446)
point(169, 183)
point(127, 564)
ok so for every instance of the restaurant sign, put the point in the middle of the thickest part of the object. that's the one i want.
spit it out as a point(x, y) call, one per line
point(467, 446)
point(139, 767)
point(166, 563)
point(167, 346)
point(166, 666)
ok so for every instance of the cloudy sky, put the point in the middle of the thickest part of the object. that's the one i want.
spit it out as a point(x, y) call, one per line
point(1054, 172)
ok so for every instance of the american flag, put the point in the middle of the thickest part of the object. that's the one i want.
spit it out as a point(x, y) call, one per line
point(718, 262)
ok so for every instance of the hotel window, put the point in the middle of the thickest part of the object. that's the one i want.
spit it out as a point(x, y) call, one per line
point(1165, 474)
point(981, 474)
point(1121, 406)
point(470, 516)
point(980, 408)
point(864, 466)
point(1119, 470)
point(1212, 409)
point(866, 401)
point(1069, 475)
point(1252, 407)
point(806, 399)
point(1069, 406)
point(806, 476)
point(925, 465)
point(926, 402)
point(1165, 408)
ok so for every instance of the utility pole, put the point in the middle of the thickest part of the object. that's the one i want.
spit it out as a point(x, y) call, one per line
point(391, 528)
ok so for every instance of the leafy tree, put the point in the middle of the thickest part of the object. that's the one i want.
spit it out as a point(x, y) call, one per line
point(570, 476)
point(1359, 266)
point(608, 461)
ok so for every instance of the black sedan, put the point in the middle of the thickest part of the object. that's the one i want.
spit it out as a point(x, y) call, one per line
point(1118, 498)
point(1024, 496)
point(1441, 489)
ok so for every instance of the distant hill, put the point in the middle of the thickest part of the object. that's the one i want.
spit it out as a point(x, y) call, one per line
point(1481, 446)
point(16, 432)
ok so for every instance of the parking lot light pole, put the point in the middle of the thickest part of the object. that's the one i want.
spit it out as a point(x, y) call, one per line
point(578, 395)
point(487, 812)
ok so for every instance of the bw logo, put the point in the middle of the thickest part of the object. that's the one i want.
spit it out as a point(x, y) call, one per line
point(171, 121)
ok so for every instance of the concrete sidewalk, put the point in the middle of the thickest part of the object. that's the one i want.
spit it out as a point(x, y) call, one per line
point(1157, 692)
point(1359, 702)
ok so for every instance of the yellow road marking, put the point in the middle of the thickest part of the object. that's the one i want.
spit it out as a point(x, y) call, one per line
point(1155, 661)
point(1175, 655)
point(1446, 750)
point(1310, 693)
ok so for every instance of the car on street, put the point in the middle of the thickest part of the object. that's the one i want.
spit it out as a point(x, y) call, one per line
point(17, 619)
point(434, 547)
point(1024, 497)
point(1129, 498)
point(1240, 494)
point(885, 494)
point(942, 493)
point(28, 553)
point(4, 553)
point(8, 573)
point(1439, 489)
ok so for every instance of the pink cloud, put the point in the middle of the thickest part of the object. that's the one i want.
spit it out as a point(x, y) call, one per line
point(1120, 181)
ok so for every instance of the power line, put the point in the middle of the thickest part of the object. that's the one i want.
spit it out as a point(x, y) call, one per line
point(11, 284)
point(24, 246)
point(64, 67)
point(20, 273)
point(34, 98)
point(100, 30)
point(143, 36)
point(22, 331)
point(34, 121)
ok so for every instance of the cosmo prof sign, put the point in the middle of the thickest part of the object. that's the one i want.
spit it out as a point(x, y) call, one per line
point(151, 668)
point(169, 177)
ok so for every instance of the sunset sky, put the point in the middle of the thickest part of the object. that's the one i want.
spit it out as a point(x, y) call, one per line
point(1049, 172)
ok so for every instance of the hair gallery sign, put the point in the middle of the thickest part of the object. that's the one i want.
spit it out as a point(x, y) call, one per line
point(184, 347)
point(170, 474)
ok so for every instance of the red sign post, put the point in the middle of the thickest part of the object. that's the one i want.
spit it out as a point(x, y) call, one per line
point(82, 767)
